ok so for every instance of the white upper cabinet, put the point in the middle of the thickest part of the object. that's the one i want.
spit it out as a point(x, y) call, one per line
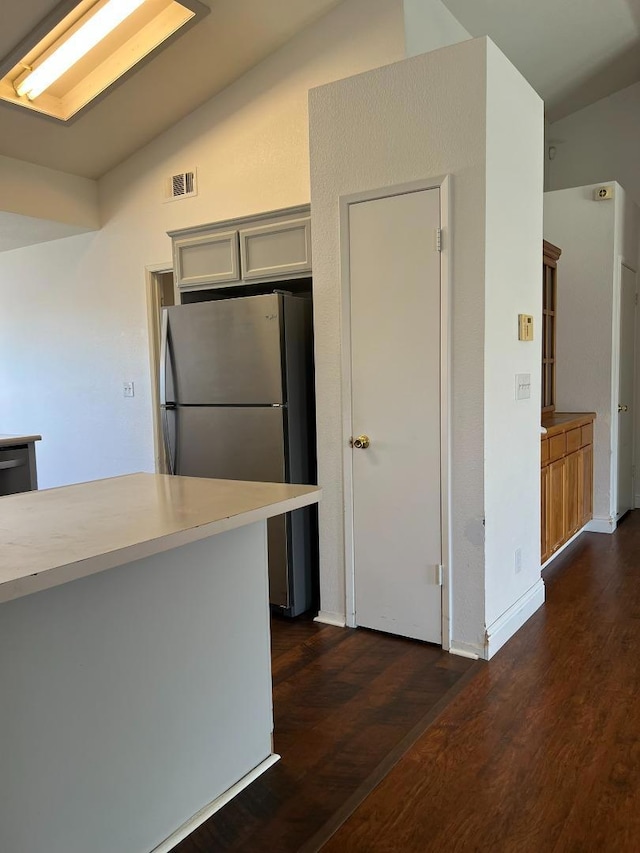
point(206, 259)
point(276, 249)
point(270, 247)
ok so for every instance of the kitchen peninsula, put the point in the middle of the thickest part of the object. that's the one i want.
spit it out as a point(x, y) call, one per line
point(134, 658)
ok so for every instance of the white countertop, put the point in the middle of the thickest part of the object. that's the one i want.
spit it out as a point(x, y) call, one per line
point(11, 440)
point(54, 536)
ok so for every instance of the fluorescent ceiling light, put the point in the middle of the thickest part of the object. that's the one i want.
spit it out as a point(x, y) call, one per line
point(71, 59)
point(77, 46)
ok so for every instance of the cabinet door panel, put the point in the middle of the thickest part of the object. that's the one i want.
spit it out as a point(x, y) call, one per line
point(573, 496)
point(206, 259)
point(545, 550)
point(587, 483)
point(556, 507)
point(276, 250)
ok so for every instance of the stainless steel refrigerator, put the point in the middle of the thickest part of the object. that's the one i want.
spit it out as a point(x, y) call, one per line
point(236, 393)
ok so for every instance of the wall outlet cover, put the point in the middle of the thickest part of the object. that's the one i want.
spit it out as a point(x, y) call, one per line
point(523, 386)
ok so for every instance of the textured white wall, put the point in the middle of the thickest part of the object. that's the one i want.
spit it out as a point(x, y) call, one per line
point(598, 143)
point(74, 314)
point(512, 286)
point(416, 119)
point(428, 25)
point(585, 231)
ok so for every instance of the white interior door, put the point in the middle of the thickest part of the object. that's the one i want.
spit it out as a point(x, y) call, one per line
point(395, 351)
point(625, 389)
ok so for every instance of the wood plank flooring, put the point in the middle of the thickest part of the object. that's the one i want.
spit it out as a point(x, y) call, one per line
point(541, 751)
point(347, 704)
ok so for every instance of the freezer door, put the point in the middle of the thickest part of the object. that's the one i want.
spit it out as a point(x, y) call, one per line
point(243, 443)
point(227, 351)
point(239, 444)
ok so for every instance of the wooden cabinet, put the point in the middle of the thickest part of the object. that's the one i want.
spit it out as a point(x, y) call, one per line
point(566, 483)
point(273, 246)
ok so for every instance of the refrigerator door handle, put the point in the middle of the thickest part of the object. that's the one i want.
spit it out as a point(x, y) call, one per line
point(164, 341)
point(168, 451)
point(164, 355)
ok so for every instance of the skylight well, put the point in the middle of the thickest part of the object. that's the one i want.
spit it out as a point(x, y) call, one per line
point(86, 52)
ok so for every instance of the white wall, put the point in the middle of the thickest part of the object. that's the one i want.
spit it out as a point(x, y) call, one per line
point(428, 25)
point(35, 191)
point(597, 144)
point(512, 286)
point(74, 314)
point(419, 119)
point(593, 236)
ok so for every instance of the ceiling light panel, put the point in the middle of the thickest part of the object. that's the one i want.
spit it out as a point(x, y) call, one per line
point(97, 43)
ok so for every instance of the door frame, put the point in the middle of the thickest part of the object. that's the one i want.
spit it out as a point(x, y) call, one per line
point(153, 297)
point(442, 183)
point(621, 262)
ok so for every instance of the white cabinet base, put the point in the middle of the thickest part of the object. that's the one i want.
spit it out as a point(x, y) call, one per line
point(134, 697)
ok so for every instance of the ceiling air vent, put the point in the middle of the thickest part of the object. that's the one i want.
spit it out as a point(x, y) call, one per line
point(182, 185)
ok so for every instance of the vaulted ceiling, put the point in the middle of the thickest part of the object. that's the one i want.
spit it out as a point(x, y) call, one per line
point(235, 36)
point(572, 51)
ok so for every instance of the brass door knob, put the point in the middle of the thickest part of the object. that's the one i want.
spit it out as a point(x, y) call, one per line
point(623, 408)
point(361, 442)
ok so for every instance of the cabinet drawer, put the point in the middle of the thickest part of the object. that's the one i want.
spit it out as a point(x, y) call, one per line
point(573, 439)
point(544, 451)
point(15, 473)
point(557, 447)
point(276, 250)
point(206, 259)
point(587, 435)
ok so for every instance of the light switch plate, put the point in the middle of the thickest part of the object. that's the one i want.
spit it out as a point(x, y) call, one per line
point(523, 386)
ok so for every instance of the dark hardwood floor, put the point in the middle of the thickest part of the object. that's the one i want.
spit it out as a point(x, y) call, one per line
point(347, 704)
point(541, 751)
point(538, 752)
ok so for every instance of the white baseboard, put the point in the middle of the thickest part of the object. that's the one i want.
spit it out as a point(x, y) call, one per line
point(327, 618)
point(636, 502)
point(204, 814)
point(513, 619)
point(601, 525)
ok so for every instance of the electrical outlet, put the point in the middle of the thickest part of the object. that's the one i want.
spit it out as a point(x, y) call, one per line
point(127, 389)
point(517, 560)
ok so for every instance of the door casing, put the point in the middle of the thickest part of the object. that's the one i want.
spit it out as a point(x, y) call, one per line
point(443, 183)
point(615, 388)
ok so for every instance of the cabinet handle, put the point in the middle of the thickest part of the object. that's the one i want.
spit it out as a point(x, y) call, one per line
point(623, 408)
point(11, 463)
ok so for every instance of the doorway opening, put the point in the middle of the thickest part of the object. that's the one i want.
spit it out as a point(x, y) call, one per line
point(160, 294)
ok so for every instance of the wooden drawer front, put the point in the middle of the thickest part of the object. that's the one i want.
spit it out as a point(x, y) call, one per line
point(544, 451)
point(276, 250)
point(586, 435)
point(573, 440)
point(206, 259)
point(557, 447)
